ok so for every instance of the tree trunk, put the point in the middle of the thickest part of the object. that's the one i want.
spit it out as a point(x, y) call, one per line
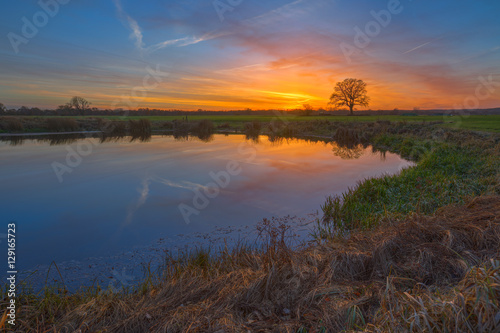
point(351, 107)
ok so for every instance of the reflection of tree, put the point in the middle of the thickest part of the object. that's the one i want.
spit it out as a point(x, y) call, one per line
point(13, 140)
point(205, 137)
point(347, 153)
point(275, 140)
point(143, 137)
point(51, 139)
point(111, 138)
point(252, 137)
point(380, 152)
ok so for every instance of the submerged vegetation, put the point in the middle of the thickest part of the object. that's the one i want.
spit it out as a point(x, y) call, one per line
point(414, 252)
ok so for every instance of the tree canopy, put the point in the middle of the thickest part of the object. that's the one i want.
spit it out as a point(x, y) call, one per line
point(350, 92)
point(79, 104)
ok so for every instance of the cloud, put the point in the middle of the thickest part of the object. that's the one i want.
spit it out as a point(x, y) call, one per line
point(184, 41)
point(132, 24)
point(137, 34)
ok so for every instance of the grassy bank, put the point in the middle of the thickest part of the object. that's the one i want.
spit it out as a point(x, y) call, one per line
point(448, 171)
point(415, 252)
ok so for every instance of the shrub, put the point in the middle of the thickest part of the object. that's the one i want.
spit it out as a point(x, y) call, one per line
point(253, 129)
point(112, 127)
point(224, 126)
point(140, 127)
point(203, 129)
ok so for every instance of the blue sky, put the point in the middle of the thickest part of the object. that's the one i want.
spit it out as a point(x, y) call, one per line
point(262, 54)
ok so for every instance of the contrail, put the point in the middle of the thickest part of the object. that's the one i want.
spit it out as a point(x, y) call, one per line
point(418, 47)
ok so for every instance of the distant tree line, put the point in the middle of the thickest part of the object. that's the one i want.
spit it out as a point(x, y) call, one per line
point(25, 111)
point(78, 106)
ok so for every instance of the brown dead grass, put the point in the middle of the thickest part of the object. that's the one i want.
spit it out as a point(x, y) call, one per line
point(61, 125)
point(11, 124)
point(426, 273)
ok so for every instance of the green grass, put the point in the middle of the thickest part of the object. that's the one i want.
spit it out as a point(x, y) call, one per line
point(478, 123)
point(489, 123)
point(447, 172)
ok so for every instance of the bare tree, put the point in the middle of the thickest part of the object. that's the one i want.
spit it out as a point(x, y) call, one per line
point(308, 109)
point(79, 104)
point(2, 108)
point(350, 92)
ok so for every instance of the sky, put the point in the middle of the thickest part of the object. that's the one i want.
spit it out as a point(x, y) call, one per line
point(238, 54)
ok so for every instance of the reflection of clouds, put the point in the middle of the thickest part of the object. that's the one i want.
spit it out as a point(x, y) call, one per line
point(182, 184)
point(144, 192)
point(145, 189)
point(278, 172)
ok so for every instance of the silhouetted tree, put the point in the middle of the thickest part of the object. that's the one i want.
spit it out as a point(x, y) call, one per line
point(79, 104)
point(308, 109)
point(350, 92)
point(2, 108)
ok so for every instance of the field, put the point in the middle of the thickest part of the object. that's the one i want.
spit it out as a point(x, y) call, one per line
point(34, 124)
point(487, 123)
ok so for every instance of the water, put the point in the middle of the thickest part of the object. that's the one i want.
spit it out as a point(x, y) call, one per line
point(116, 196)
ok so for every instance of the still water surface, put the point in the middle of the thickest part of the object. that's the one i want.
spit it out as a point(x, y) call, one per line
point(124, 194)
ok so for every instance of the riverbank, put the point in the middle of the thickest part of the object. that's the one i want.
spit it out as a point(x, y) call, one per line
point(413, 252)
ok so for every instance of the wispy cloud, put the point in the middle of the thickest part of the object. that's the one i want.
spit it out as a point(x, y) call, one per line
point(132, 24)
point(138, 37)
point(185, 41)
point(283, 11)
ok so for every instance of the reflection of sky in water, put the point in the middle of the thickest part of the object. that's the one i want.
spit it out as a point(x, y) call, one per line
point(127, 194)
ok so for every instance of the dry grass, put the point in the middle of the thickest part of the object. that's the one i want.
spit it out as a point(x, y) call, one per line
point(398, 277)
point(11, 124)
point(109, 127)
point(472, 306)
point(61, 125)
point(139, 127)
